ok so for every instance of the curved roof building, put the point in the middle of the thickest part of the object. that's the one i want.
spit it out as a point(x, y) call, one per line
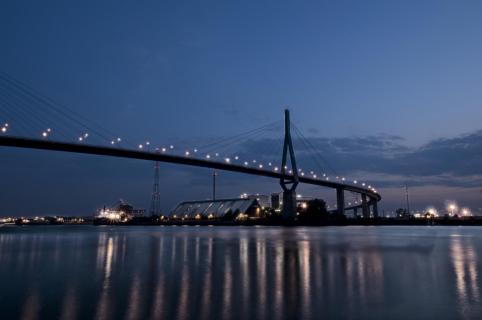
point(216, 209)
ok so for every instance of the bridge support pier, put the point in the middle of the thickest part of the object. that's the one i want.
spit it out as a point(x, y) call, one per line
point(355, 212)
point(375, 209)
point(365, 211)
point(340, 201)
point(289, 205)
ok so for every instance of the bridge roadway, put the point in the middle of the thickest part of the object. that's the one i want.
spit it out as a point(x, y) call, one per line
point(43, 144)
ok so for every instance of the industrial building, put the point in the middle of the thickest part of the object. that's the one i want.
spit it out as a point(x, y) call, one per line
point(218, 209)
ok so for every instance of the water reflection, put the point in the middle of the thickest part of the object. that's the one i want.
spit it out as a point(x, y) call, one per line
point(242, 273)
point(464, 261)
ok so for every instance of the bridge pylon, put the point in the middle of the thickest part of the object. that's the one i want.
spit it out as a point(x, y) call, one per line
point(289, 184)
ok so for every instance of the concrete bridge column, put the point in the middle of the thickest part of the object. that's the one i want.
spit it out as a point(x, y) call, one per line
point(365, 211)
point(340, 200)
point(375, 209)
point(289, 204)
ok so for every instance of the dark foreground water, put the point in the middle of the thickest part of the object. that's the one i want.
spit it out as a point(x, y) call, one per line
point(87, 272)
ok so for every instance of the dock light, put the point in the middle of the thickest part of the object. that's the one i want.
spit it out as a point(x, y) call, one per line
point(86, 135)
point(276, 169)
point(290, 172)
point(148, 143)
point(302, 174)
point(432, 211)
point(355, 182)
point(270, 164)
point(81, 139)
point(327, 178)
point(49, 130)
point(186, 153)
point(363, 184)
point(343, 179)
point(227, 160)
point(324, 174)
point(314, 176)
point(261, 166)
point(112, 142)
point(141, 146)
point(245, 163)
point(195, 150)
point(466, 212)
point(304, 205)
point(4, 129)
point(171, 147)
point(452, 208)
point(254, 161)
point(44, 134)
point(236, 158)
point(163, 149)
point(210, 216)
point(119, 139)
point(216, 154)
point(208, 156)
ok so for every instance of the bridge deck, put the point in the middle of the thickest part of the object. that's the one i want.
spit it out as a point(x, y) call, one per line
point(19, 142)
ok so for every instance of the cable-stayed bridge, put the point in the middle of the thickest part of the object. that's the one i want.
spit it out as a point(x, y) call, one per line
point(33, 120)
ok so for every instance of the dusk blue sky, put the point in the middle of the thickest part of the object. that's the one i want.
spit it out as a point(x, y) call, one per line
point(388, 91)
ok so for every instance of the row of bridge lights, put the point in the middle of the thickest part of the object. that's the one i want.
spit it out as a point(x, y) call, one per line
point(229, 160)
point(187, 153)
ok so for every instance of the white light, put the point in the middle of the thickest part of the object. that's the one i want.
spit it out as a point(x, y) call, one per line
point(342, 178)
point(355, 182)
point(148, 143)
point(81, 138)
point(163, 149)
point(119, 139)
point(276, 169)
point(314, 176)
point(186, 153)
point(254, 161)
point(227, 160)
point(270, 164)
point(216, 154)
point(195, 150)
point(261, 166)
point(6, 125)
point(86, 135)
point(208, 156)
point(245, 163)
point(44, 134)
point(141, 146)
point(236, 158)
point(48, 130)
point(171, 147)
point(363, 184)
point(4, 129)
point(302, 174)
point(112, 142)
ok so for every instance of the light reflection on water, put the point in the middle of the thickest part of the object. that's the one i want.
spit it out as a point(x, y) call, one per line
point(240, 273)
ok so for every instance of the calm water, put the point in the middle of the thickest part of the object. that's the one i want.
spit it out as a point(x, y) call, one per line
point(63, 272)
